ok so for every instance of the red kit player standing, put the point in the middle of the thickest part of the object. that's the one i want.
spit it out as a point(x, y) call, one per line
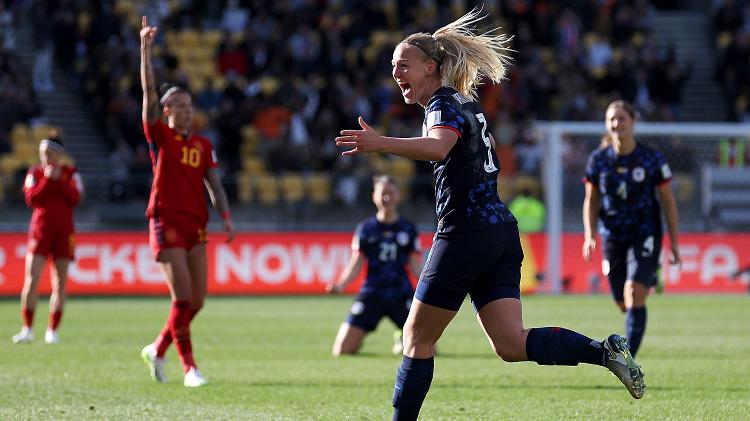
point(52, 190)
point(182, 164)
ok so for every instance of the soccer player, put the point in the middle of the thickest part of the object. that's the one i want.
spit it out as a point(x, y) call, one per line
point(52, 190)
point(477, 249)
point(388, 243)
point(182, 163)
point(623, 178)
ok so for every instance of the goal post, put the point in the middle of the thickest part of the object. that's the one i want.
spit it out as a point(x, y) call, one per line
point(692, 148)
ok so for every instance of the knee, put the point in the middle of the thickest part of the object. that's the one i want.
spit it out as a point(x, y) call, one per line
point(415, 343)
point(344, 349)
point(510, 352)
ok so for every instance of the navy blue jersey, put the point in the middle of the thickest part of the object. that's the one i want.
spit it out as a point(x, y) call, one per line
point(387, 248)
point(466, 180)
point(627, 184)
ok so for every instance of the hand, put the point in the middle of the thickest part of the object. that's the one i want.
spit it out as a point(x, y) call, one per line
point(361, 141)
point(675, 260)
point(332, 288)
point(148, 33)
point(589, 245)
point(229, 229)
point(52, 172)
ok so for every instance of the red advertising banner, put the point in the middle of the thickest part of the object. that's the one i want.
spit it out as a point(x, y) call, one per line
point(303, 262)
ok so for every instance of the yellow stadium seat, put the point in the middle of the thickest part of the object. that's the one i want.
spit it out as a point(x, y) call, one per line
point(319, 188)
point(189, 38)
point(292, 187)
point(40, 132)
point(10, 163)
point(244, 188)
point(252, 165)
point(212, 38)
point(402, 167)
point(267, 189)
point(20, 134)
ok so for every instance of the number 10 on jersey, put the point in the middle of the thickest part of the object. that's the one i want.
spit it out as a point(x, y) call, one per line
point(489, 166)
point(191, 156)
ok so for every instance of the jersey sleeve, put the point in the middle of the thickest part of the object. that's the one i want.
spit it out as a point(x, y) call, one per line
point(35, 187)
point(443, 113)
point(662, 172)
point(72, 187)
point(592, 175)
point(155, 133)
point(212, 158)
point(358, 237)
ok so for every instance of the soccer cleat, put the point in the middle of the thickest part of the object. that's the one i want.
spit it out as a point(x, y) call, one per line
point(398, 343)
point(154, 363)
point(193, 378)
point(26, 335)
point(619, 361)
point(51, 337)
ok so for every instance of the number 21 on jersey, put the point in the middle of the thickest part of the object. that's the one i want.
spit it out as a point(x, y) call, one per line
point(489, 166)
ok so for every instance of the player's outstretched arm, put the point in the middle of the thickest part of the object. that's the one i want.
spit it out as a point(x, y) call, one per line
point(591, 204)
point(350, 272)
point(219, 200)
point(150, 100)
point(669, 207)
point(434, 147)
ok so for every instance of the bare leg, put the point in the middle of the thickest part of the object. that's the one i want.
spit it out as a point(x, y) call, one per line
point(59, 277)
point(34, 267)
point(502, 322)
point(348, 340)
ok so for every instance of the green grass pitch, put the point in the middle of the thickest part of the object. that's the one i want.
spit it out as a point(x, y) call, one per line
point(269, 358)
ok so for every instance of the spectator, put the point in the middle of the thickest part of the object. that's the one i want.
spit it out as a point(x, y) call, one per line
point(529, 211)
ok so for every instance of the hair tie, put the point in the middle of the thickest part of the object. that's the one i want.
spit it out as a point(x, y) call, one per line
point(49, 143)
point(167, 98)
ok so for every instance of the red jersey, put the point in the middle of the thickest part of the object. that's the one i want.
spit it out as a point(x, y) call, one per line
point(180, 164)
point(52, 200)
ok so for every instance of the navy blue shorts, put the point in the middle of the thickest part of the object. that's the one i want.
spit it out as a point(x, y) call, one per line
point(368, 309)
point(485, 264)
point(636, 260)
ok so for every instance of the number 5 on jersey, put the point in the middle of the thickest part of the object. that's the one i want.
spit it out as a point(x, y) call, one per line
point(489, 166)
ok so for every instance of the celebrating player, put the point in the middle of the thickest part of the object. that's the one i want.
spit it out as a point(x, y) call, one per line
point(52, 190)
point(622, 177)
point(388, 242)
point(477, 247)
point(177, 211)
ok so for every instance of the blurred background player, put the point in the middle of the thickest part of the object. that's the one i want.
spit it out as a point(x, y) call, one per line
point(622, 177)
point(388, 243)
point(477, 249)
point(52, 190)
point(182, 164)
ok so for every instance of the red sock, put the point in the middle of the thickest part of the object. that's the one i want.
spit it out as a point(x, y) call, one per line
point(179, 327)
point(54, 319)
point(28, 316)
point(164, 339)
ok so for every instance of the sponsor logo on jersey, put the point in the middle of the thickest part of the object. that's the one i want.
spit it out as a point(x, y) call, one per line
point(433, 118)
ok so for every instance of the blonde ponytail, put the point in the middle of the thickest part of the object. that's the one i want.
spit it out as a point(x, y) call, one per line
point(464, 57)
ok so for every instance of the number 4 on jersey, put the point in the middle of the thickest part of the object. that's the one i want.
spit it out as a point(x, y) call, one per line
point(489, 166)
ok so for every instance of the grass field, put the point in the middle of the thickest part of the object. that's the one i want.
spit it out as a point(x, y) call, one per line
point(268, 358)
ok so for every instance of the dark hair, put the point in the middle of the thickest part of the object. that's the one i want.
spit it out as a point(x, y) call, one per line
point(628, 107)
point(168, 90)
point(55, 135)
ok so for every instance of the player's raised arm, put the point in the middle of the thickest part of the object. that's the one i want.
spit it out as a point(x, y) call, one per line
point(352, 269)
point(219, 200)
point(150, 100)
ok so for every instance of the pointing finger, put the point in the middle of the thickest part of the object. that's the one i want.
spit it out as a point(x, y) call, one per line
point(144, 21)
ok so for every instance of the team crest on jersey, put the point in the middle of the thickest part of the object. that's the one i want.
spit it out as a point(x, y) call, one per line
point(402, 238)
point(639, 174)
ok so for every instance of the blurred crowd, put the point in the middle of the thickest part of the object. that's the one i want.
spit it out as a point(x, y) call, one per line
point(732, 27)
point(276, 80)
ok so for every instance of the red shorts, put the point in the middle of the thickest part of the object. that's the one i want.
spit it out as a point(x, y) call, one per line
point(57, 245)
point(175, 231)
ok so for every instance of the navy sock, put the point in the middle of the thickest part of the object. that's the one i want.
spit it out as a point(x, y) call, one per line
point(412, 383)
point(635, 327)
point(560, 346)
